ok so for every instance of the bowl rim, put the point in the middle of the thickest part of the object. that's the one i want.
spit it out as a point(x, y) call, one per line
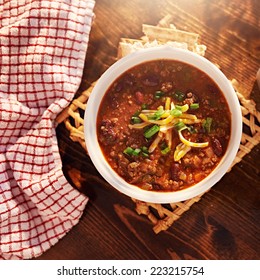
point(118, 68)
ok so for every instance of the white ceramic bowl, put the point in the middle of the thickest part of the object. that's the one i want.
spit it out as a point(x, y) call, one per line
point(111, 75)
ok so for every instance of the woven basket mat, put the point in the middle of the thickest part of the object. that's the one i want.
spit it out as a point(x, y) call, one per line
point(163, 216)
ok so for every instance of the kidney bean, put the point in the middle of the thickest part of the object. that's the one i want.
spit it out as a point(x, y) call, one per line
point(139, 97)
point(151, 80)
point(175, 169)
point(157, 186)
point(129, 80)
point(217, 147)
point(119, 86)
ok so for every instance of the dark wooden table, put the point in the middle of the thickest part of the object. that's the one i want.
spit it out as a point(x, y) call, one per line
point(224, 224)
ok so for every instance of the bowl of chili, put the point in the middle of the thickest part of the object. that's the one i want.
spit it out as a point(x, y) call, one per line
point(163, 125)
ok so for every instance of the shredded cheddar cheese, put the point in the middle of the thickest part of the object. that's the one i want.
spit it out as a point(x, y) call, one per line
point(167, 118)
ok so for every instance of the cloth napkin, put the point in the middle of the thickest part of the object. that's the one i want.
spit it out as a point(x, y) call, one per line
point(42, 52)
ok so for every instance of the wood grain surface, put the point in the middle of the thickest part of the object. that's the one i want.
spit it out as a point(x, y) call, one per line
point(224, 224)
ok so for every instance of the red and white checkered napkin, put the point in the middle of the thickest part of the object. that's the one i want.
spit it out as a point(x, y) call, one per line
point(42, 51)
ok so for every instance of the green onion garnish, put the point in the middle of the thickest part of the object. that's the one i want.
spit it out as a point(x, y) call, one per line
point(206, 124)
point(179, 107)
point(178, 95)
point(183, 108)
point(132, 152)
point(179, 125)
point(176, 112)
point(135, 119)
point(145, 151)
point(158, 94)
point(163, 145)
point(166, 150)
point(192, 129)
point(194, 106)
point(151, 131)
point(136, 152)
point(129, 151)
point(157, 115)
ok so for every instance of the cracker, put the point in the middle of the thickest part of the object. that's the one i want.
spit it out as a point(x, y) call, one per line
point(126, 47)
point(163, 35)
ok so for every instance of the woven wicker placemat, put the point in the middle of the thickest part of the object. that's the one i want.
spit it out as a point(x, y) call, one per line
point(163, 216)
